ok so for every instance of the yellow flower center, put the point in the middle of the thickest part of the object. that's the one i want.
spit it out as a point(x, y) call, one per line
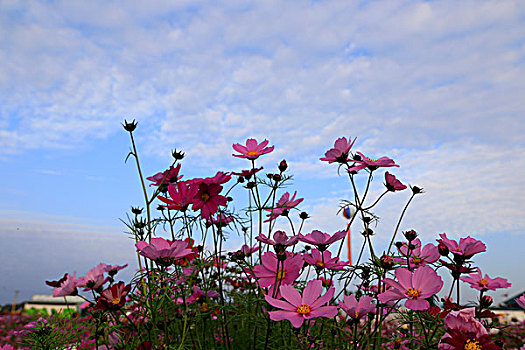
point(458, 249)
point(417, 260)
point(413, 293)
point(205, 197)
point(252, 153)
point(483, 282)
point(115, 300)
point(472, 345)
point(356, 314)
point(320, 264)
point(303, 309)
point(280, 274)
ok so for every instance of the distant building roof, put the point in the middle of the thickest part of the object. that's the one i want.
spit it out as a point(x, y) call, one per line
point(510, 304)
point(49, 299)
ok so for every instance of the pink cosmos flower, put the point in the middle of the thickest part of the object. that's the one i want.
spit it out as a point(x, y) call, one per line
point(465, 332)
point(467, 247)
point(219, 178)
point(93, 279)
point(67, 287)
point(182, 194)
point(297, 308)
point(477, 281)
point(392, 183)
point(197, 295)
point(324, 260)
point(340, 151)
point(356, 309)
point(320, 239)
point(279, 239)
point(414, 286)
point(169, 176)
point(162, 251)
point(418, 257)
point(113, 269)
point(521, 301)
point(284, 203)
point(248, 173)
point(271, 271)
point(252, 150)
point(221, 220)
point(366, 162)
point(208, 199)
point(247, 251)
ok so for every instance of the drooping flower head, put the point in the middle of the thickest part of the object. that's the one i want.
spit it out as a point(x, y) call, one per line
point(392, 183)
point(357, 309)
point(340, 151)
point(321, 239)
point(284, 203)
point(252, 150)
point(280, 240)
point(163, 251)
point(466, 248)
point(297, 308)
point(477, 281)
point(371, 164)
point(324, 260)
point(415, 286)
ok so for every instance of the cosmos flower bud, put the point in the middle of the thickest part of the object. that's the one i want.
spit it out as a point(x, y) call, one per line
point(304, 215)
point(443, 249)
point(416, 190)
point(387, 262)
point(410, 235)
point(283, 166)
point(277, 177)
point(485, 301)
point(129, 126)
point(137, 210)
point(250, 184)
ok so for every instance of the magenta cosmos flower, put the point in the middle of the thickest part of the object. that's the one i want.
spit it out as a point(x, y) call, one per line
point(252, 150)
point(320, 239)
point(521, 301)
point(340, 151)
point(297, 308)
point(284, 203)
point(392, 183)
point(208, 199)
point(114, 297)
point(162, 251)
point(372, 164)
point(357, 309)
point(466, 247)
point(93, 279)
point(271, 271)
point(464, 332)
point(182, 194)
point(418, 257)
point(324, 260)
point(415, 286)
point(477, 281)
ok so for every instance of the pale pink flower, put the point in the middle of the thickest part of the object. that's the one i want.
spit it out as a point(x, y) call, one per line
point(414, 286)
point(465, 332)
point(93, 279)
point(321, 239)
point(271, 271)
point(279, 239)
point(372, 164)
point(356, 309)
point(163, 251)
point(477, 281)
point(418, 257)
point(466, 247)
point(340, 151)
point(252, 150)
point(67, 287)
point(324, 260)
point(297, 308)
point(284, 203)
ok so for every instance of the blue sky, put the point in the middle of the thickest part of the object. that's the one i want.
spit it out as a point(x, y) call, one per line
point(438, 86)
